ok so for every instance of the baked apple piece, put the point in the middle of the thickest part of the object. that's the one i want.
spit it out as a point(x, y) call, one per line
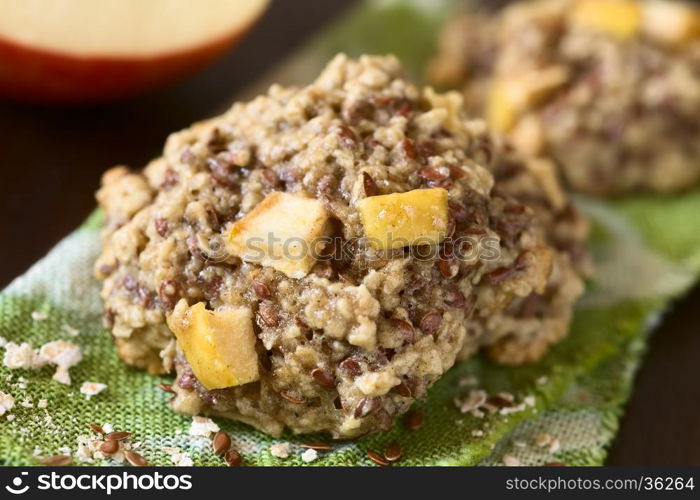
point(219, 345)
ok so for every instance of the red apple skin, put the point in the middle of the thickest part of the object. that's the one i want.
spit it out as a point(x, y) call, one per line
point(40, 76)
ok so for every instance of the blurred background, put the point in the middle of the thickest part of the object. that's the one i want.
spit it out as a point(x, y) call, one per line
point(52, 156)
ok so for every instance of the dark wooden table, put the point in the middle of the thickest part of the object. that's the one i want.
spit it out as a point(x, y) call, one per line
point(51, 160)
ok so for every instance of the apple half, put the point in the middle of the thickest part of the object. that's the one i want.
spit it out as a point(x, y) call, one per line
point(76, 51)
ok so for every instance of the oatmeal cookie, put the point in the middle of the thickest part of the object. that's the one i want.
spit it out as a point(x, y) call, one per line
point(609, 88)
point(344, 335)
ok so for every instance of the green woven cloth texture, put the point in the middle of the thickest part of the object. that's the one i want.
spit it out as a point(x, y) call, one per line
point(646, 249)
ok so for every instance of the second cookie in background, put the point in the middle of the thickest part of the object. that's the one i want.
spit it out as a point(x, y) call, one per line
point(609, 88)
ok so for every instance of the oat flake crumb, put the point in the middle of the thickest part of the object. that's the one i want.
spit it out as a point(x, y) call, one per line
point(70, 331)
point(544, 439)
point(477, 433)
point(468, 381)
point(554, 446)
point(178, 457)
point(309, 455)
point(10, 417)
point(471, 402)
point(203, 426)
point(511, 460)
point(64, 355)
point(39, 316)
point(21, 356)
point(91, 389)
point(509, 410)
point(280, 450)
point(7, 402)
point(184, 461)
point(43, 403)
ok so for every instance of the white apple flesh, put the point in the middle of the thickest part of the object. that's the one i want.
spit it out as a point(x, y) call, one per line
point(93, 50)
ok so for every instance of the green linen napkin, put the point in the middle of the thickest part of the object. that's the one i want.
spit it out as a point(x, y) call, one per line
point(567, 407)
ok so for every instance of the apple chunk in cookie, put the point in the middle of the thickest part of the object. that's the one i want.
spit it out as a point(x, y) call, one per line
point(284, 231)
point(397, 220)
point(219, 345)
point(620, 18)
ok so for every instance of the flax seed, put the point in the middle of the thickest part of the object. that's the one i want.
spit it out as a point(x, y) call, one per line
point(261, 290)
point(403, 390)
point(267, 315)
point(432, 173)
point(167, 388)
point(448, 269)
point(233, 458)
point(407, 331)
point(430, 323)
point(366, 406)
point(377, 458)
point(323, 378)
point(117, 436)
point(109, 447)
point(135, 459)
point(221, 443)
point(351, 367)
point(414, 419)
point(317, 445)
point(96, 428)
point(292, 399)
point(393, 452)
point(56, 460)
point(370, 186)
